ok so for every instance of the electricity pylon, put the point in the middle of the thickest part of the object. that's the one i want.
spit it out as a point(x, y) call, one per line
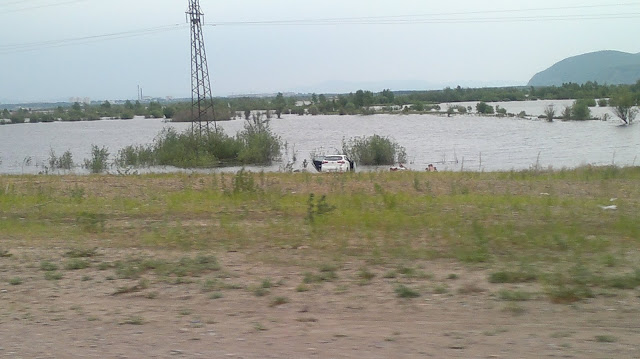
point(202, 111)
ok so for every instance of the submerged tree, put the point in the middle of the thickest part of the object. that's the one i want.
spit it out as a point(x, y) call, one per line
point(550, 112)
point(624, 107)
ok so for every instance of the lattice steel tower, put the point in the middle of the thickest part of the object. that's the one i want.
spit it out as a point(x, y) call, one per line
point(202, 111)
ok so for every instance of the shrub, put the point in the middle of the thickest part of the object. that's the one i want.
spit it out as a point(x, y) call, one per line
point(580, 110)
point(374, 150)
point(98, 162)
point(484, 108)
point(256, 144)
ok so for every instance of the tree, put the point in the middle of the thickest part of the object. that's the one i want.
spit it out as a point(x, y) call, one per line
point(388, 96)
point(580, 111)
point(623, 106)
point(5, 113)
point(279, 103)
point(314, 98)
point(484, 108)
point(169, 112)
point(550, 112)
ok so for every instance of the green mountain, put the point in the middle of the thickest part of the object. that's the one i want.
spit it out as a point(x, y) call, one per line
point(604, 67)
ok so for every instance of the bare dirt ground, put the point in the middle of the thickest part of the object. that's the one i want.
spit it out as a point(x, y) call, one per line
point(253, 309)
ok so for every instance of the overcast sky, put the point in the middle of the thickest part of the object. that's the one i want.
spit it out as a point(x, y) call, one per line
point(400, 44)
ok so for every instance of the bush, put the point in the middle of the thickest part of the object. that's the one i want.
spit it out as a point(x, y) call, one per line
point(484, 108)
point(374, 151)
point(256, 144)
point(580, 110)
point(99, 160)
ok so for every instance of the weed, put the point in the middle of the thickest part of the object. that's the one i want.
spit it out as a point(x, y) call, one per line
point(151, 295)
point(77, 193)
point(625, 281)
point(216, 295)
point(133, 320)
point(606, 339)
point(491, 333)
point(142, 284)
point(390, 274)
point(407, 271)
point(76, 263)
point(5, 253)
point(302, 288)
point(403, 291)
point(260, 292)
point(366, 275)
point(210, 285)
point(15, 281)
point(557, 335)
point(98, 162)
point(86, 278)
point(81, 253)
point(185, 311)
point(243, 182)
point(259, 327)
point(91, 222)
point(50, 275)
point(186, 266)
point(514, 309)
point(441, 289)
point(279, 301)
point(564, 294)
point(266, 283)
point(514, 295)
point(470, 288)
point(319, 208)
point(506, 276)
point(48, 266)
point(64, 162)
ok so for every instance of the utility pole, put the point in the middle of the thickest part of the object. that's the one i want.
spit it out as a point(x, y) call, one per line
point(202, 111)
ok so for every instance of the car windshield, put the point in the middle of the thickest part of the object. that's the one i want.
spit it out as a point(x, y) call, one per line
point(333, 158)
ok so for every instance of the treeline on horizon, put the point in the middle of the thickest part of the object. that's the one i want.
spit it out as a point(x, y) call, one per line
point(360, 102)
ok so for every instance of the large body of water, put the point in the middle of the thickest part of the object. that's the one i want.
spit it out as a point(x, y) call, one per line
point(468, 142)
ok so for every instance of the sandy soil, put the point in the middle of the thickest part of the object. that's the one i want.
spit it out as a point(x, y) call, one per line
point(461, 316)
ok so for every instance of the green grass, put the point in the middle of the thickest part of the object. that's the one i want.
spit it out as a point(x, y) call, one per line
point(500, 222)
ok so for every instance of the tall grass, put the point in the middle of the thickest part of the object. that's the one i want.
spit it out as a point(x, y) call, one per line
point(256, 144)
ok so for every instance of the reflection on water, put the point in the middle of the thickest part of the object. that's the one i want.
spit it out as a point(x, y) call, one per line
point(456, 143)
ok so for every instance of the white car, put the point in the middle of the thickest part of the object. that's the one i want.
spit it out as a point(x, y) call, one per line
point(336, 163)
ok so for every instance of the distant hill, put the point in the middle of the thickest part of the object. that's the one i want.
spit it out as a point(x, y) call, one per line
point(604, 67)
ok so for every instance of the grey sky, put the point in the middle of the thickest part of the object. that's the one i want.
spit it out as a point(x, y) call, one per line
point(470, 48)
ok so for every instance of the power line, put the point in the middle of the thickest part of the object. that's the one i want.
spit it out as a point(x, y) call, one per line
point(40, 6)
point(436, 18)
point(577, 17)
point(406, 18)
point(15, 48)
